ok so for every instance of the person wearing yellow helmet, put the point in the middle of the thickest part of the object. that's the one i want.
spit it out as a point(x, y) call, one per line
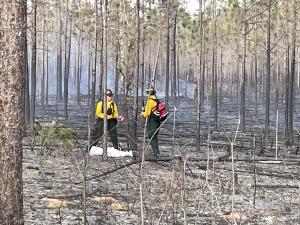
point(150, 91)
point(153, 123)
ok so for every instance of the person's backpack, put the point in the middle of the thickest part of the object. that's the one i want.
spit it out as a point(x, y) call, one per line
point(161, 110)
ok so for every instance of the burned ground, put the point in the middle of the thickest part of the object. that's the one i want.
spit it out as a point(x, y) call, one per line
point(195, 188)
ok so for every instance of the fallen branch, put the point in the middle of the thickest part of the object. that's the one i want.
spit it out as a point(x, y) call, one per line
point(275, 186)
point(280, 175)
point(129, 164)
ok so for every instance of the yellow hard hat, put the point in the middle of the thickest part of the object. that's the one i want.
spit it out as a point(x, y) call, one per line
point(150, 90)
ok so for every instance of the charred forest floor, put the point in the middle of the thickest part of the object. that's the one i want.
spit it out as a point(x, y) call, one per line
point(199, 187)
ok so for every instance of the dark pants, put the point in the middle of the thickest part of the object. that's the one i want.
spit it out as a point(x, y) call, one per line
point(152, 130)
point(97, 132)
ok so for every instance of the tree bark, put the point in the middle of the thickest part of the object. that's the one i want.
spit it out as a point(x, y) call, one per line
point(117, 73)
point(79, 59)
point(26, 72)
point(12, 41)
point(104, 41)
point(173, 51)
point(33, 62)
point(167, 54)
point(143, 38)
point(201, 33)
point(101, 50)
point(292, 77)
point(214, 72)
point(243, 86)
point(89, 72)
point(287, 77)
point(117, 52)
point(43, 66)
point(178, 53)
point(136, 79)
point(94, 72)
point(47, 71)
point(68, 41)
point(268, 72)
point(59, 60)
point(255, 72)
point(202, 87)
point(276, 56)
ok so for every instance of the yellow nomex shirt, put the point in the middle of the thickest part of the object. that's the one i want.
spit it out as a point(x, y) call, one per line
point(150, 106)
point(112, 105)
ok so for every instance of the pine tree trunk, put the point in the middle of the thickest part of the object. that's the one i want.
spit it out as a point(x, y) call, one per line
point(136, 79)
point(243, 86)
point(43, 67)
point(202, 81)
point(237, 75)
point(13, 19)
point(287, 91)
point(117, 53)
point(75, 71)
point(173, 51)
point(79, 59)
point(167, 54)
point(298, 74)
point(149, 71)
point(67, 60)
point(255, 73)
point(150, 46)
point(47, 71)
point(101, 51)
point(89, 73)
point(59, 60)
point(117, 74)
point(26, 72)
point(287, 76)
point(178, 74)
point(214, 73)
point(104, 41)
point(268, 72)
point(33, 63)
point(276, 56)
point(292, 77)
point(126, 115)
point(221, 77)
point(199, 92)
point(93, 91)
point(186, 80)
point(143, 49)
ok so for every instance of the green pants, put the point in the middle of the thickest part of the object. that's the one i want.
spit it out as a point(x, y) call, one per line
point(152, 130)
point(97, 132)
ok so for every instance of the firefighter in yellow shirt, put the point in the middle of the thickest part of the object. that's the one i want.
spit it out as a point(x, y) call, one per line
point(112, 120)
point(153, 123)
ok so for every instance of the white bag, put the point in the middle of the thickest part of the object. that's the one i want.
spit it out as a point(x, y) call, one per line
point(111, 152)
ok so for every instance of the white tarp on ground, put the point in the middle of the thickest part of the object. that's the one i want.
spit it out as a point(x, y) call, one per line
point(111, 152)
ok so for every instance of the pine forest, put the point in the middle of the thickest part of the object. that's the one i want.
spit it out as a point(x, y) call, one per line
point(170, 112)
